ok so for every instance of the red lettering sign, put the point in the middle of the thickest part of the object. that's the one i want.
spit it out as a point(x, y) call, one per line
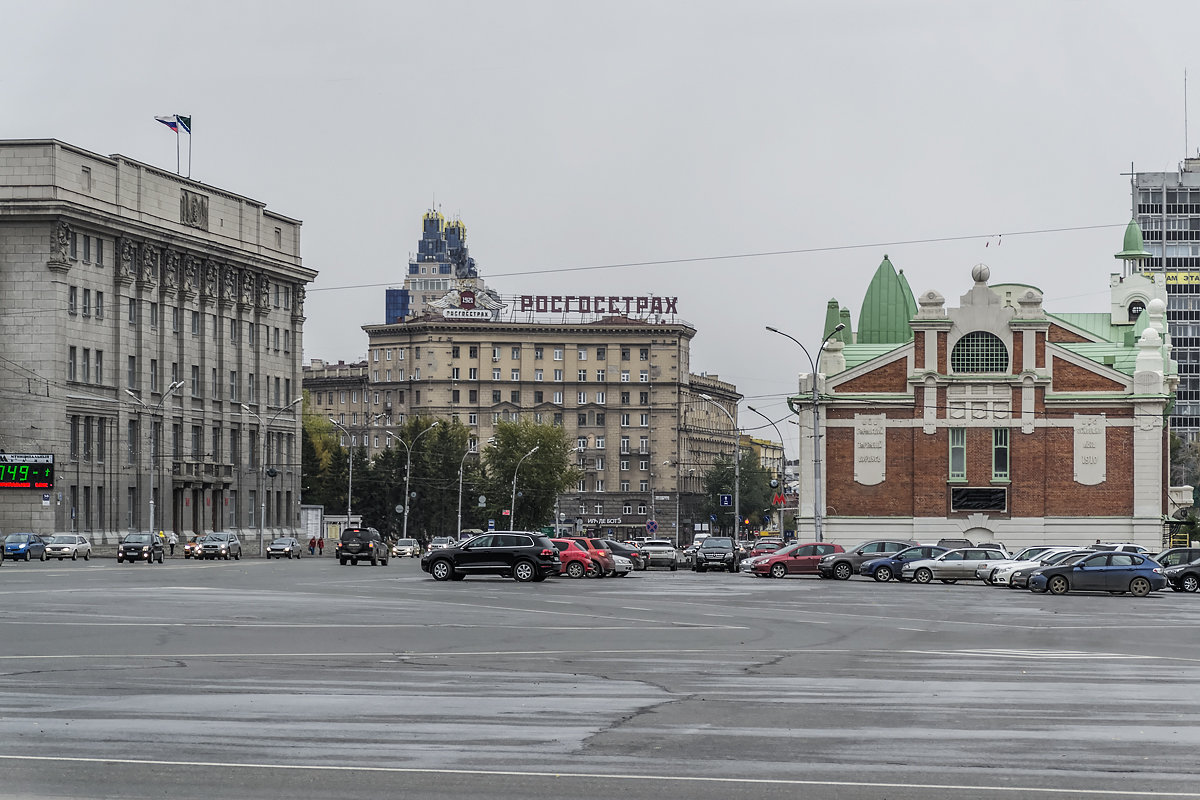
point(588, 304)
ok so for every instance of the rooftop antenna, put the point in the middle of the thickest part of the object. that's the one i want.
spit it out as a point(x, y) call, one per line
point(1185, 121)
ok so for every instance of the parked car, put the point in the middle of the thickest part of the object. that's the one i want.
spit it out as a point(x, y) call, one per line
point(406, 548)
point(888, 567)
point(68, 545)
point(1177, 556)
point(747, 564)
point(716, 552)
point(1127, 547)
point(140, 547)
point(1117, 572)
point(951, 566)
point(441, 541)
point(846, 563)
point(764, 547)
point(661, 553)
point(800, 559)
point(1019, 577)
point(24, 547)
point(221, 545)
point(633, 552)
point(576, 563)
point(998, 573)
point(191, 548)
point(285, 546)
point(622, 566)
point(361, 544)
point(1184, 577)
point(522, 555)
point(598, 552)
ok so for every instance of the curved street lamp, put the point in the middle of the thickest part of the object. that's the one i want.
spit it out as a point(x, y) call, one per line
point(262, 478)
point(816, 411)
point(783, 449)
point(737, 469)
point(512, 506)
point(155, 444)
point(350, 477)
point(408, 472)
point(461, 466)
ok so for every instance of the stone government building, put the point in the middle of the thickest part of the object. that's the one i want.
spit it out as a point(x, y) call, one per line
point(119, 280)
point(998, 419)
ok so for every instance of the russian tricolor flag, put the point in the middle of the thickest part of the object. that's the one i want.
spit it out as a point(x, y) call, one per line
point(171, 122)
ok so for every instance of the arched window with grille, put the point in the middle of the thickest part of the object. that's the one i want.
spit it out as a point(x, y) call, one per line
point(979, 352)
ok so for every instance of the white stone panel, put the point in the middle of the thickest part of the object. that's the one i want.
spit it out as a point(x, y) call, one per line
point(870, 448)
point(1090, 459)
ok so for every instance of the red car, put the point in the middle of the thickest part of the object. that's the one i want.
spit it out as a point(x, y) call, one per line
point(800, 560)
point(764, 546)
point(576, 563)
point(599, 553)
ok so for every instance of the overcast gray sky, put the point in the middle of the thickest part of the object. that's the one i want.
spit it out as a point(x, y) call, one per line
point(572, 134)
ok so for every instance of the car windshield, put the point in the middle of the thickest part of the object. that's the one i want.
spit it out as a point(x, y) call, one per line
point(137, 538)
point(17, 537)
point(717, 543)
point(62, 540)
point(406, 542)
point(284, 542)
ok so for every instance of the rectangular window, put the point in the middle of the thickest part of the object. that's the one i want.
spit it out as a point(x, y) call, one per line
point(601, 353)
point(472, 419)
point(514, 397)
point(86, 366)
point(582, 398)
point(153, 374)
point(600, 462)
point(472, 373)
point(101, 433)
point(454, 396)
point(154, 315)
point(72, 299)
point(131, 378)
point(644, 376)
point(538, 352)
point(599, 442)
point(599, 376)
point(644, 447)
point(196, 387)
point(233, 387)
point(473, 396)
point(100, 367)
point(537, 397)
point(624, 444)
point(645, 421)
point(87, 249)
point(516, 354)
point(958, 454)
point(74, 253)
point(515, 375)
point(582, 376)
point(1000, 454)
point(583, 354)
point(132, 311)
point(195, 323)
point(643, 398)
point(74, 437)
point(495, 395)
point(537, 374)
point(558, 398)
point(581, 419)
point(624, 376)
point(287, 340)
point(558, 375)
point(453, 373)
point(216, 387)
point(644, 354)
point(99, 252)
point(495, 354)
point(643, 486)
point(99, 305)
point(624, 465)
point(87, 302)
point(558, 354)
point(599, 484)
point(131, 442)
point(624, 420)
point(495, 373)
point(600, 398)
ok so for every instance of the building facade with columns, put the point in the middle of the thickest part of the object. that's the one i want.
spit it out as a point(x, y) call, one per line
point(152, 333)
point(994, 419)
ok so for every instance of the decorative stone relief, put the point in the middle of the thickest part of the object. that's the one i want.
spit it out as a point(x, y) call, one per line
point(210, 279)
point(60, 244)
point(149, 264)
point(1090, 452)
point(228, 282)
point(247, 296)
point(125, 268)
point(264, 293)
point(298, 307)
point(193, 209)
point(170, 276)
point(870, 448)
point(190, 273)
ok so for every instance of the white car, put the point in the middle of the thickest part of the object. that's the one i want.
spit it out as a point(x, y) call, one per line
point(68, 545)
point(406, 548)
point(997, 574)
point(952, 566)
point(622, 566)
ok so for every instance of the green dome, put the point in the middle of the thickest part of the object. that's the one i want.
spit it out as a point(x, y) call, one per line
point(887, 308)
point(1134, 251)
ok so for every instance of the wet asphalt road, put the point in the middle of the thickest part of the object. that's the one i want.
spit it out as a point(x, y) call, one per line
point(303, 679)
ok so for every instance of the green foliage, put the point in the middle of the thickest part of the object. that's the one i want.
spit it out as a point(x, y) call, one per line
point(542, 477)
point(755, 491)
point(1185, 462)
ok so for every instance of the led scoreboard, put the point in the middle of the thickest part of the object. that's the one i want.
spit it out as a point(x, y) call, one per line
point(26, 471)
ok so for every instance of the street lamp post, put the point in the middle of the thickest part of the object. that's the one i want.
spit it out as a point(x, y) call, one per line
point(737, 469)
point(783, 449)
point(512, 506)
point(262, 469)
point(350, 476)
point(156, 408)
point(461, 466)
point(816, 412)
point(408, 474)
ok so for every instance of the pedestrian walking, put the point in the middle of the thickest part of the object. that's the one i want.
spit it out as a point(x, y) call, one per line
point(172, 540)
point(312, 546)
point(321, 545)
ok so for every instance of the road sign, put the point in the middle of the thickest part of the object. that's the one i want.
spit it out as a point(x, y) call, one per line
point(505, 513)
point(651, 526)
point(491, 524)
point(482, 501)
point(726, 501)
point(713, 517)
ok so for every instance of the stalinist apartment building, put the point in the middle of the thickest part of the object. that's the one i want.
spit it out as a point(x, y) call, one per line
point(619, 386)
point(151, 330)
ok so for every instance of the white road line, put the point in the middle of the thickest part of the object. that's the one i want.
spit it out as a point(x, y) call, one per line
point(592, 776)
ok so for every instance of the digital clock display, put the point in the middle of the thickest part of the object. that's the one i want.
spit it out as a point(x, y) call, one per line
point(26, 471)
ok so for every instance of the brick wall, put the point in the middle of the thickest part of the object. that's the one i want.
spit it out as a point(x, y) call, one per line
point(1071, 378)
point(891, 377)
point(892, 498)
point(1060, 334)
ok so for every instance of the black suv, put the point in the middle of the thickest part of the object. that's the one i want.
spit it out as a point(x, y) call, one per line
point(140, 547)
point(362, 544)
point(716, 552)
point(522, 555)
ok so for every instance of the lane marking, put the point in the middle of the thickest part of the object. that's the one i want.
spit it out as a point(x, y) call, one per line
point(685, 779)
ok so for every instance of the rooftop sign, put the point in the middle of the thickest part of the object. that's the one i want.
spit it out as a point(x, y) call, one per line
point(597, 304)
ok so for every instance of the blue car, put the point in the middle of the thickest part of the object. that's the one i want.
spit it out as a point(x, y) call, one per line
point(1116, 572)
point(24, 547)
point(887, 568)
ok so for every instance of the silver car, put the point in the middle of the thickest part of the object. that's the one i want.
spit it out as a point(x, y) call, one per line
point(284, 546)
point(952, 566)
point(66, 545)
point(406, 548)
point(622, 566)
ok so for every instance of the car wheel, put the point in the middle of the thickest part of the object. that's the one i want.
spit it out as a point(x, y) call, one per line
point(674, 567)
point(1189, 582)
point(779, 571)
point(160, 557)
point(1058, 585)
point(74, 556)
point(524, 571)
point(44, 556)
point(87, 556)
point(575, 570)
point(374, 561)
point(699, 568)
point(238, 557)
point(923, 575)
point(949, 580)
point(883, 574)
point(119, 559)
point(1139, 587)
point(842, 570)
point(441, 570)
point(733, 567)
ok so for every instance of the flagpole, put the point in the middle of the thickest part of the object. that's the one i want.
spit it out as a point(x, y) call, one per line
point(177, 170)
point(189, 152)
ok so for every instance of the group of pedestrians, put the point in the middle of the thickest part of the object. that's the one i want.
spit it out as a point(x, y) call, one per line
point(315, 545)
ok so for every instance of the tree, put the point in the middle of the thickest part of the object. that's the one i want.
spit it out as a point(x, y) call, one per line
point(543, 476)
point(1185, 462)
point(754, 490)
point(323, 462)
